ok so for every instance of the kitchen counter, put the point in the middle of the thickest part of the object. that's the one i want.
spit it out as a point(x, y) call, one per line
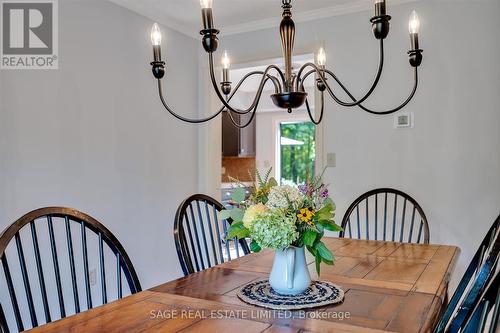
point(231, 185)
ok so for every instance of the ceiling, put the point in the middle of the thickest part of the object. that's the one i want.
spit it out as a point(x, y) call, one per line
point(236, 16)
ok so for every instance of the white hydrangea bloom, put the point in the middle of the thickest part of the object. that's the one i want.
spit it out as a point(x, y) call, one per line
point(284, 196)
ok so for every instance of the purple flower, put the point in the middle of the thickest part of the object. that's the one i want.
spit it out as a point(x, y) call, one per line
point(305, 189)
point(323, 191)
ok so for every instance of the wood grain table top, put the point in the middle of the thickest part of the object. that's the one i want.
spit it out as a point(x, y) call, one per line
point(388, 286)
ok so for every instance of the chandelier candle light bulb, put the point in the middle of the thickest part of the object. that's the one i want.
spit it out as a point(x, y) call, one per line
point(414, 28)
point(321, 62)
point(226, 62)
point(380, 8)
point(321, 58)
point(415, 52)
point(225, 83)
point(206, 14)
point(206, 4)
point(156, 41)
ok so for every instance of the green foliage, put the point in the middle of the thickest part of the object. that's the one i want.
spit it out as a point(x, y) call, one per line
point(317, 258)
point(326, 213)
point(263, 181)
point(297, 161)
point(238, 195)
point(237, 214)
point(254, 247)
point(309, 236)
point(224, 214)
point(272, 182)
point(330, 226)
point(323, 251)
point(262, 186)
point(237, 230)
point(321, 254)
point(325, 217)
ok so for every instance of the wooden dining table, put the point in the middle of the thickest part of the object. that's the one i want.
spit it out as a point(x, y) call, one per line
point(388, 286)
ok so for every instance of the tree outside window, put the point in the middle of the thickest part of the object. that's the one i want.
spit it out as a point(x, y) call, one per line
point(297, 152)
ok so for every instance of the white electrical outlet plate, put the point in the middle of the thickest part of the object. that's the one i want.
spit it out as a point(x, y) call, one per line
point(331, 160)
point(403, 120)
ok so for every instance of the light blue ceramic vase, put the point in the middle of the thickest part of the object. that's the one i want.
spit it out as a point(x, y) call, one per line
point(289, 275)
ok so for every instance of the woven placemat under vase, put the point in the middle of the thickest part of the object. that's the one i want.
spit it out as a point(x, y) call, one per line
point(320, 293)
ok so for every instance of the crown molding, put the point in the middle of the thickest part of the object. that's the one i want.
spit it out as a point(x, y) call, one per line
point(337, 10)
point(193, 32)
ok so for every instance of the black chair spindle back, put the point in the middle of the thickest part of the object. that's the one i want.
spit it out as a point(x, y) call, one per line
point(200, 236)
point(389, 215)
point(47, 260)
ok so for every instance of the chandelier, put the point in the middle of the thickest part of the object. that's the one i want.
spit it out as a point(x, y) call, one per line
point(289, 92)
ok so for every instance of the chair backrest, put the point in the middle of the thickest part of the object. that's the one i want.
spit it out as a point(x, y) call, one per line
point(49, 271)
point(470, 290)
point(485, 315)
point(200, 235)
point(3, 321)
point(386, 214)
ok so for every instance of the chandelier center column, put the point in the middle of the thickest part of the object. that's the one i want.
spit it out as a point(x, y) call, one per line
point(287, 33)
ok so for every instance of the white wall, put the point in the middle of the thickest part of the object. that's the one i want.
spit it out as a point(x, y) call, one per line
point(450, 161)
point(94, 136)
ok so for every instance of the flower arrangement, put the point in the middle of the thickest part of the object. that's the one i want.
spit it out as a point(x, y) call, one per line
point(279, 217)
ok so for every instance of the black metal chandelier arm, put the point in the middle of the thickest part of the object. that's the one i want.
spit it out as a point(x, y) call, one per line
point(259, 93)
point(253, 112)
point(339, 101)
point(187, 120)
point(278, 71)
point(202, 120)
point(219, 94)
point(273, 79)
point(330, 91)
point(412, 93)
point(322, 80)
point(314, 121)
point(276, 82)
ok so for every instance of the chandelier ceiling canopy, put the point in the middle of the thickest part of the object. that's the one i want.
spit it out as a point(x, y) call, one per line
point(289, 92)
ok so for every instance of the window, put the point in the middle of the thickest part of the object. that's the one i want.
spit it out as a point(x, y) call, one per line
point(297, 151)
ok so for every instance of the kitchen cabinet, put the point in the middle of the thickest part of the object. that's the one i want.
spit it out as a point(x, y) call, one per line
point(236, 141)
